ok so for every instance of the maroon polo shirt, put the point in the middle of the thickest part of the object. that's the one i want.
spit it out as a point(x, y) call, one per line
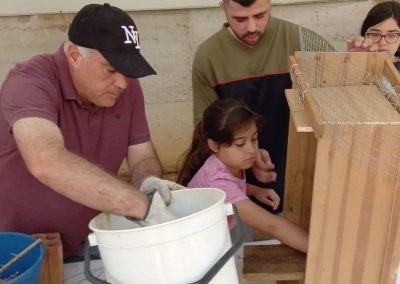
point(42, 87)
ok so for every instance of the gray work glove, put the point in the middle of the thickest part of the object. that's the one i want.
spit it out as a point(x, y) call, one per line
point(159, 192)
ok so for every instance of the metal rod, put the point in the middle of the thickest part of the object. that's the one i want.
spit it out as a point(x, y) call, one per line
point(19, 255)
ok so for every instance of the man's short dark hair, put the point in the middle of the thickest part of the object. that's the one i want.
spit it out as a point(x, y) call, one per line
point(244, 3)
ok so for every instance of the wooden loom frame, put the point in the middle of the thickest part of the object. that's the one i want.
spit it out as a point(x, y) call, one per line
point(351, 213)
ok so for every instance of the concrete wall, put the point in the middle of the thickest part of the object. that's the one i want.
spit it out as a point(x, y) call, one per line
point(168, 40)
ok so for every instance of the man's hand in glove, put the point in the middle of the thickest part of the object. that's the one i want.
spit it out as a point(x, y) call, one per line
point(159, 193)
point(162, 186)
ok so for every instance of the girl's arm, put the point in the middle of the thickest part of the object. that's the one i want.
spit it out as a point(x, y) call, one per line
point(258, 218)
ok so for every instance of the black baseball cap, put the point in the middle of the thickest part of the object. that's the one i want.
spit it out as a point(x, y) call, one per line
point(113, 33)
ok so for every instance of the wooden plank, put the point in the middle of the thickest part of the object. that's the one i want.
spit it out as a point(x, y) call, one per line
point(300, 118)
point(318, 124)
point(392, 250)
point(52, 270)
point(369, 62)
point(391, 73)
point(297, 55)
point(348, 105)
point(272, 262)
point(352, 204)
point(332, 69)
point(354, 105)
point(293, 100)
point(299, 176)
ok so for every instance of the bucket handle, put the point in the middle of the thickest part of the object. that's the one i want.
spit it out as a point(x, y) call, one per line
point(88, 274)
point(224, 259)
point(204, 280)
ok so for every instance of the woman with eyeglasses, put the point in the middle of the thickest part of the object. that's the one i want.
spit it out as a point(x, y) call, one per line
point(380, 31)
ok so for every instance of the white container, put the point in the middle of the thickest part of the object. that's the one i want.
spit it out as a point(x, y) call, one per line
point(178, 251)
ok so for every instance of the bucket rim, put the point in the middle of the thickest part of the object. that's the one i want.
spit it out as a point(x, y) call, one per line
point(17, 233)
point(157, 226)
point(39, 259)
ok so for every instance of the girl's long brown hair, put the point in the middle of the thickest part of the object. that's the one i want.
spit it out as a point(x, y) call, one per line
point(221, 120)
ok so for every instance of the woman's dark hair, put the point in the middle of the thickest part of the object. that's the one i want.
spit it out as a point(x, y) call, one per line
point(221, 120)
point(379, 13)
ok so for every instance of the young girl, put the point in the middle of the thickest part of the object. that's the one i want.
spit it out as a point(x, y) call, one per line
point(381, 27)
point(224, 145)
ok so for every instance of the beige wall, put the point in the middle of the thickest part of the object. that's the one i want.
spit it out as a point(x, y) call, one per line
point(168, 41)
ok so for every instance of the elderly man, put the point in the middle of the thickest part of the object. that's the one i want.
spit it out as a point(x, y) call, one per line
point(67, 121)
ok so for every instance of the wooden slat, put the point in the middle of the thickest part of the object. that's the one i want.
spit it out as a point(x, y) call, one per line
point(324, 69)
point(299, 116)
point(272, 262)
point(299, 176)
point(392, 256)
point(370, 62)
point(391, 73)
point(300, 164)
point(352, 206)
point(294, 102)
point(392, 250)
point(317, 122)
point(352, 105)
point(52, 271)
point(303, 89)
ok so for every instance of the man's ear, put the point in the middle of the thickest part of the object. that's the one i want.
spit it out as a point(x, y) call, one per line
point(222, 5)
point(214, 146)
point(72, 54)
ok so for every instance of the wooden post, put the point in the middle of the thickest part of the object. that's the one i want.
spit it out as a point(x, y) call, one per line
point(52, 271)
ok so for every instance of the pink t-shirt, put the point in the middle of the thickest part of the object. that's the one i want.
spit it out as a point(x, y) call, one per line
point(42, 87)
point(215, 174)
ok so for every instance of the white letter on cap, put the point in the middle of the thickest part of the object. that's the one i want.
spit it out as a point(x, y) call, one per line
point(132, 34)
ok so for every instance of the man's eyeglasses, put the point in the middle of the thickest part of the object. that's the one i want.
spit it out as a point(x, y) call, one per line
point(376, 37)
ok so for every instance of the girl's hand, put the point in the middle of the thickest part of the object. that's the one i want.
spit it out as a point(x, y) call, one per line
point(267, 196)
point(263, 168)
point(361, 44)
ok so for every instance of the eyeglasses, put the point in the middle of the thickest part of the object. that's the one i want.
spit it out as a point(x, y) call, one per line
point(390, 38)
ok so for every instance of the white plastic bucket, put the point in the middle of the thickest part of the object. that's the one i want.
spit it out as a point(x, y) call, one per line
point(179, 251)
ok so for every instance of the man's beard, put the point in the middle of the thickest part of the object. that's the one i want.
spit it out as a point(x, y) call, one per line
point(243, 37)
